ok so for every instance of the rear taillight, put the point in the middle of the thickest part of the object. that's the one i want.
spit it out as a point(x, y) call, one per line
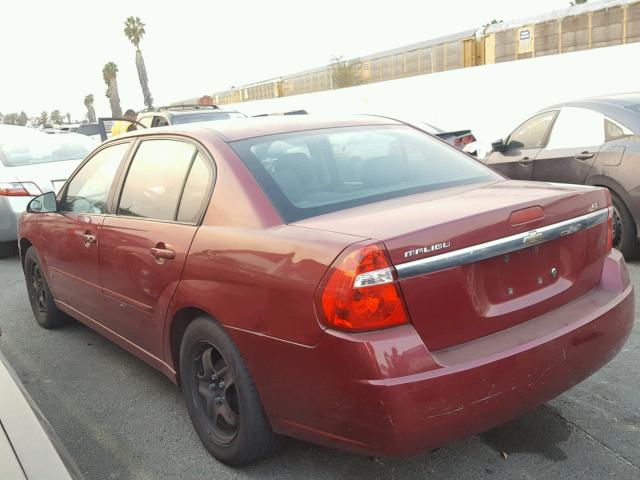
point(19, 189)
point(359, 291)
point(462, 141)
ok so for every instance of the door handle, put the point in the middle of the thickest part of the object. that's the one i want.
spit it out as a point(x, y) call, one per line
point(162, 253)
point(525, 161)
point(584, 155)
point(87, 238)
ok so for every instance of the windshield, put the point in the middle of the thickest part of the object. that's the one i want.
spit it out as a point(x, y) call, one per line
point(32, 148)
point(205, 117)
point(311, 173)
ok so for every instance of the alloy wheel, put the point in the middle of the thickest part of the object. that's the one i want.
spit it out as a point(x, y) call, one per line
point(38, 291)
point(617, 229)
point(216, 392)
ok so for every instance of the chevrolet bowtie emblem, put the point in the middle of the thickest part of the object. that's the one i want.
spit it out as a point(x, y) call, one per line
point(533, 237)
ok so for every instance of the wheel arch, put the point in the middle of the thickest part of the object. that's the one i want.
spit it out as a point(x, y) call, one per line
point(24, 244)
point(179, 323)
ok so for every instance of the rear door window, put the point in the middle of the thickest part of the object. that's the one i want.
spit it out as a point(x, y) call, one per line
point(577, 128)
point(156, 178)
point(321, 171)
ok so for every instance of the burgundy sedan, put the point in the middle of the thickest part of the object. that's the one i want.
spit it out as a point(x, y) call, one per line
point(356, 283)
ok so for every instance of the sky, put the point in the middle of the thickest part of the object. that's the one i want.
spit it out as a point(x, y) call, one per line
point(52, 52)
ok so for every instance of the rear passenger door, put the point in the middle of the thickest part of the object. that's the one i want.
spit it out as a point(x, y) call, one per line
point(143, 247)
point(576, 138)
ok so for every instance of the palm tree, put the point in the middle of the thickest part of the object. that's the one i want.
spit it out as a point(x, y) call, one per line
point(134, 30)
point(91, 113)
point(110, 76)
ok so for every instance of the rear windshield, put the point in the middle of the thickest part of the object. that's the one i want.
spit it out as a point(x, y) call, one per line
point(205, 117)
point(314, 172)
point(36, 147)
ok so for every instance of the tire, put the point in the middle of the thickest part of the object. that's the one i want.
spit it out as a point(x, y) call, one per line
point(8, 249)
point(624, 229)
point(44, 308)
point(221, 399)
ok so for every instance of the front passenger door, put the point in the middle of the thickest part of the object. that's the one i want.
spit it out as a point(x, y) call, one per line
point(74, 234)
point(144, 246)
point(522, 147)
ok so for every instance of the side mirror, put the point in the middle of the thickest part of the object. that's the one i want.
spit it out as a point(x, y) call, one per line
point(45, 203)
point(498, 146)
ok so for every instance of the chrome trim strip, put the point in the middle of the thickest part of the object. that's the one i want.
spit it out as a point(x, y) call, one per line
point(501, 246)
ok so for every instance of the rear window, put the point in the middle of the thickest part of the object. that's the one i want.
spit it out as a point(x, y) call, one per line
point(205, 117)
point(321, 171)
point(35, 147)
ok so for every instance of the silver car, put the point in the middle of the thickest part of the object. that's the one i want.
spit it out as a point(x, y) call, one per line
point(31, 163)
point(29, 449)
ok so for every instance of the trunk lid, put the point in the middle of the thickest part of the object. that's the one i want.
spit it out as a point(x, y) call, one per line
point(459, 302)
point(49, 177)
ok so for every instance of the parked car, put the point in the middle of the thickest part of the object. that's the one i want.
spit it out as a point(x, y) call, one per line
point(178, 115)
point(32, 162)
point(29, 448)
point(589, 142)
point(352, 282)
point(91, 130)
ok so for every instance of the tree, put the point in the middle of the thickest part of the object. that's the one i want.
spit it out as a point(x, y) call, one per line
point(10, 119)
point(22, 119)
point(344, 73)
point(91, 113)
point(68, 115)
point(134, 30)
point(56, 117)
point(43, 119)
point(110, 76)
point(577, 2)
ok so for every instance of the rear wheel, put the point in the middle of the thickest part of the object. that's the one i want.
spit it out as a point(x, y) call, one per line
point(624, 229)
point(44, 308)
point(221, 398)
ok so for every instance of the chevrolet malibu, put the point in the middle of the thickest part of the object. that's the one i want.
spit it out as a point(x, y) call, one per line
point(356, 283)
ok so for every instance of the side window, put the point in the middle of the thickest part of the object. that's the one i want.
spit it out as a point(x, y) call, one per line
point(159, 122)
point(532, 133)
point(89, 189)
point(196, 190)
point(613, 130)
point(576, 128)
point(146, 121)
point(155, 179)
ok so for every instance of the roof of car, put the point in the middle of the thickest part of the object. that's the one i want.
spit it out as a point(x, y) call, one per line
point(243, 128)
point(618, 100)
point(189, 111)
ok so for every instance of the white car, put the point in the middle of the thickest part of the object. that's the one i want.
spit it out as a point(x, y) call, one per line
point(31, 163)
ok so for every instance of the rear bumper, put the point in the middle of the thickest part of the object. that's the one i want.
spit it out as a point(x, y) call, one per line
point(385, 394)
point(10, 210)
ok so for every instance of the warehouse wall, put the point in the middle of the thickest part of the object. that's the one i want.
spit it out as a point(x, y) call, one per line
point(489, 99)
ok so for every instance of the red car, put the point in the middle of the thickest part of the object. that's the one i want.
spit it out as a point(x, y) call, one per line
point(356, 283)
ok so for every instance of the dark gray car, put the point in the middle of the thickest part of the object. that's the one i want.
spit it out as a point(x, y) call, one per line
point(592, 142)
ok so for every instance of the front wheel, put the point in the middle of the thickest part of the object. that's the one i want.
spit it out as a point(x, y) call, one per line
point(624, 229)
point(221, 398)
point(44, 308)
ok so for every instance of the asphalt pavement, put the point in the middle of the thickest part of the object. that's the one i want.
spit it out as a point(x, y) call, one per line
point(120, 419)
